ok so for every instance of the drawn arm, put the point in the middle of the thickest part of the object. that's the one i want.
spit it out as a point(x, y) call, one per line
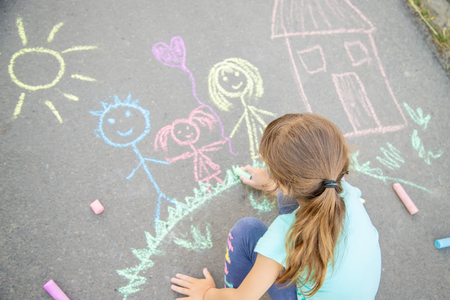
point(158, 161)
point(211, 147)
point(262, 111)
point(238, 124)
point(182, 156)
point(134, 170)
point(255, 111)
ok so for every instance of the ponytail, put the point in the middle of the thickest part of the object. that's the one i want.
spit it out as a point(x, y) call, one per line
point(302, 151)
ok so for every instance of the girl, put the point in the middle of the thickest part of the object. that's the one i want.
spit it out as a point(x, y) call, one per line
point(321, 246)
point(186, 132)
point(237, 80)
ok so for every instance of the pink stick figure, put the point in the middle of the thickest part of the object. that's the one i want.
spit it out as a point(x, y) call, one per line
point(186, 132)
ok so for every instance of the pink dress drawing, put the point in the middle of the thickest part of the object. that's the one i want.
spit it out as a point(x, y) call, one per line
point(186, 132)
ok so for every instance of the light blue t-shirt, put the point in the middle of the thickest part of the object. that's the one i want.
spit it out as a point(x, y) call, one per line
point(357, 270)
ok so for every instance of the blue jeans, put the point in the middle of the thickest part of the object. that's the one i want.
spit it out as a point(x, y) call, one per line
point(240, 256)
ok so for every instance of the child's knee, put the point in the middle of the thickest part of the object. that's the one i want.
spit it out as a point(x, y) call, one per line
point(248, 226)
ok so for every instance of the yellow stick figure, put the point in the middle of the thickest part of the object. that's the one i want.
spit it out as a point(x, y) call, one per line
point(236, 78)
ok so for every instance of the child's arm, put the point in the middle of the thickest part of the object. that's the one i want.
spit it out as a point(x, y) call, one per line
point(258, 281)
point(260, 180)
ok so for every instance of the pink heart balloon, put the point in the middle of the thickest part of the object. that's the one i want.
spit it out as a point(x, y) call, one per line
point(173, 55)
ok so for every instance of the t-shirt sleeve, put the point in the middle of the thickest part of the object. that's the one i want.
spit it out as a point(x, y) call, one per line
point(272, 244)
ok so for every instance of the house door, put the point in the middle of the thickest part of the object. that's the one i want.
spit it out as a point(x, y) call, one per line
point(356, 104)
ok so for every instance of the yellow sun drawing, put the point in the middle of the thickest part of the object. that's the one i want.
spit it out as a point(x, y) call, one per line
point(62, 68)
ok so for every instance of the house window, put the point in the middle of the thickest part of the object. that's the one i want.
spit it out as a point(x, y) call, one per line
point(313, 59)
point(358, 53)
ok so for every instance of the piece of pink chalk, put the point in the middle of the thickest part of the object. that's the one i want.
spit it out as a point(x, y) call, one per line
point(53, 289)
point(97, 207)
point(409, 204)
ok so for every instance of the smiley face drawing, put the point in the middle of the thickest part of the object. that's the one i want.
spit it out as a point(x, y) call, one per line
point(185, 132)
point(236, 78)
point(123, 124)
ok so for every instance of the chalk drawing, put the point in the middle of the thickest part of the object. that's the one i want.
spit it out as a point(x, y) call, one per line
point(265, 205)
point(236, 78)
point(18, 106)
point(186, 132)
point(55, 29)
point(305, 60)
point(377, 172)
point(349, 46)
point(81, 77)
point(417, 116)
point(418, 145)
point(175, 56)
point(41, 50)
point(200, 242)
point(117, 136)
point(53, 109)
point(392, 157)
point(202, 195)
point(305, 23)
point(71, 97)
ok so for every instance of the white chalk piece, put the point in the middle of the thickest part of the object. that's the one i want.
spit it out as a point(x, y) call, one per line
point(442, 243)
point(362, 200)
point(53, 289)
point(409, 204)
point(239, 172)
point(97, 207)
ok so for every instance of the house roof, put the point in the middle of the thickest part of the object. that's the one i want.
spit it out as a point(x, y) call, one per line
point(317, 17)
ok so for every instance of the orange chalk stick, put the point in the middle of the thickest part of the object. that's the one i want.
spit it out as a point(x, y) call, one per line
point(409, 204)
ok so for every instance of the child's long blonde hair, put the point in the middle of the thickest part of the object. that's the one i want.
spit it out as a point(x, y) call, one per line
point(301, 151)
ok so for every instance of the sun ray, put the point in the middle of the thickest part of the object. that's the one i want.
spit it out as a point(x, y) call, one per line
point(71, 97)
point(53, 109)
point(79, 48)
point(55, 29)
point(18, 108)
point(84, 78)
point(21, 30)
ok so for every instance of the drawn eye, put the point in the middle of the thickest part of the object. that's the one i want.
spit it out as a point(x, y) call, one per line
point(111, 121)
point(225, 78)
point(127, 113)
point(236, 74)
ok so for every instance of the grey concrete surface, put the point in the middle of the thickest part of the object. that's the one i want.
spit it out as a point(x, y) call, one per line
point(51, 171)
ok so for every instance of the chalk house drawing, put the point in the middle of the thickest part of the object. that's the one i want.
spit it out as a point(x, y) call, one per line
point(237, 79)
point(124, 124)
point(43, 51)
point(174, 55)
point(331, 45)
point(186, 132)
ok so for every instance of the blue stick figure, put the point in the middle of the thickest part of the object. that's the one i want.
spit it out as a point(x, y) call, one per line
point(123, 124)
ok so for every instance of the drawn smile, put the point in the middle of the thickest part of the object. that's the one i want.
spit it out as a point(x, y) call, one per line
point(237, 86)
point(125, 133)
point(189, 135)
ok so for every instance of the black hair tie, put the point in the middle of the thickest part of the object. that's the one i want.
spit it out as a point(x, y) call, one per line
point(330, 184)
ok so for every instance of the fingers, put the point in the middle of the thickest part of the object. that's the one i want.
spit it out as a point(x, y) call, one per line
point(185, 277)
point(206, 274)
point(249, 169)
point(180, 290)
point(180, 282)
point(245, 180)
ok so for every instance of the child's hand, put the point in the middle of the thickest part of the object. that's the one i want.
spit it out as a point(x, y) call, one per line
point(192, 287)
point(260, 180)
